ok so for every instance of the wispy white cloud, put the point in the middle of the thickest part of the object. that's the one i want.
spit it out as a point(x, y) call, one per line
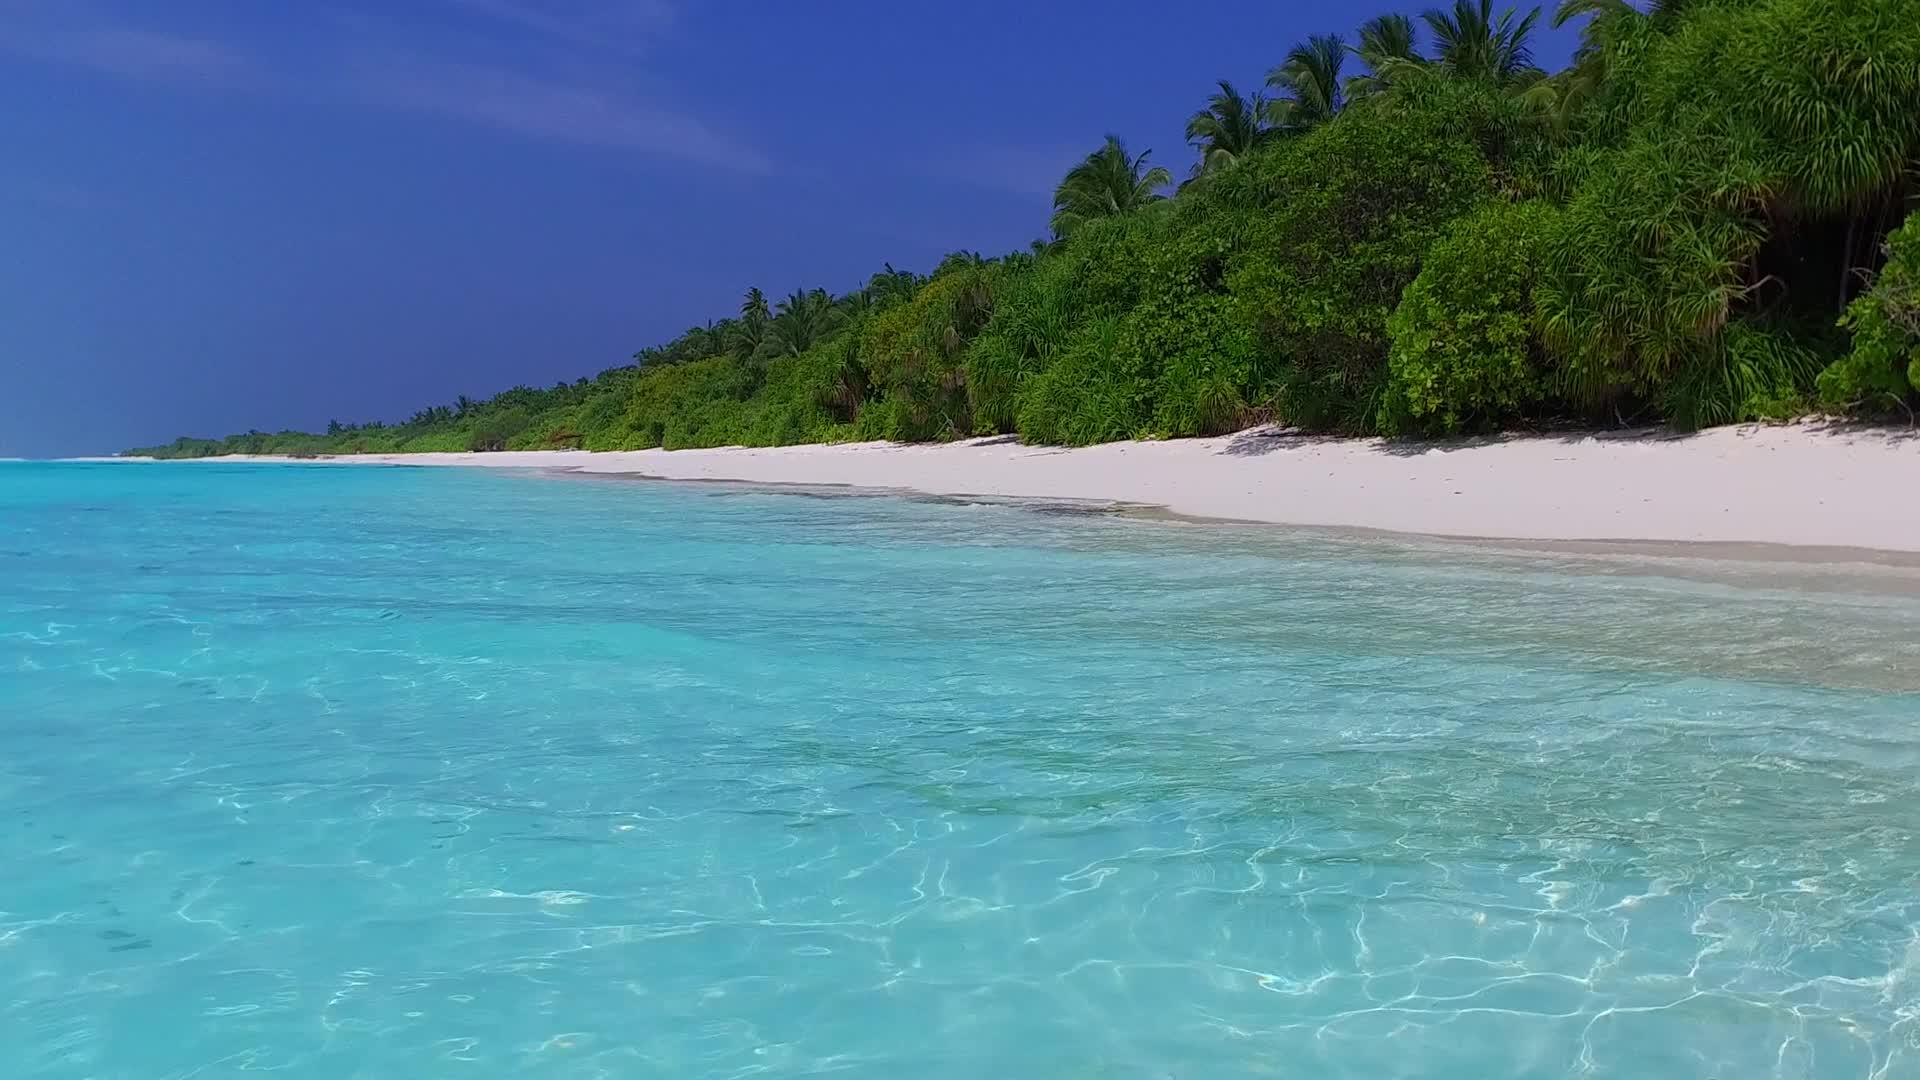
point(588, 113)
point(131, 52)
point(561, 71)
point(616, 25)
point(568, 77)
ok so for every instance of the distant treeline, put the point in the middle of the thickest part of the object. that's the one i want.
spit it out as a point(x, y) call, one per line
point(1703, 219)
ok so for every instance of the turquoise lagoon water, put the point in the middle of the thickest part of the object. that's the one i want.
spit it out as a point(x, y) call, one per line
point(399, 773)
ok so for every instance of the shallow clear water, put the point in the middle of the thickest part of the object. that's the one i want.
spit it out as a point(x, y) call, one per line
point(351, 772)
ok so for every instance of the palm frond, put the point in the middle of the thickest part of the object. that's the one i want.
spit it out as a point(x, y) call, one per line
point(1471, 42)
point(1309, 82)
point(1108, 182)
point(1228, 128)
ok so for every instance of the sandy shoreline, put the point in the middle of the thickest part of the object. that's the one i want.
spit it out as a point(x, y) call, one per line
point(1800, 484)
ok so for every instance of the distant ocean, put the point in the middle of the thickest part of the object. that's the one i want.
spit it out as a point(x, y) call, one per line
point(398, 773)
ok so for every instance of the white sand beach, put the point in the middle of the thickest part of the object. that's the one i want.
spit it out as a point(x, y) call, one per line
point(1799, 484)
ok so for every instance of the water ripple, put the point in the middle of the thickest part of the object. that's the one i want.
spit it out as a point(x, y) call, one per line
point(343, 772)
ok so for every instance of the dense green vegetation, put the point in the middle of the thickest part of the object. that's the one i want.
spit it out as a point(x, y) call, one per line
point(1704, 219)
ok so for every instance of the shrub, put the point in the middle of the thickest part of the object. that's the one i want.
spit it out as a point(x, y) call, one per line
point(1731, 126)
point(1464, 350)
point(1036, 312)
point(912, 353)
point(496, 427)
point(433, 442)
point(1211, 375)
point(1125, 329)
point(1883, 367)
point(1056, 362)
point(1092, 392)
point(1344, 216)
point(695, 404)
point(795, 403)
point(602, 420)
point(1750, 373)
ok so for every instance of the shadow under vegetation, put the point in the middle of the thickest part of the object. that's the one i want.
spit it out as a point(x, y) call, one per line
point(1261, 441)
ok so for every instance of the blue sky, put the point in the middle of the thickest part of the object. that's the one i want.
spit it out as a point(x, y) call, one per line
point(227, 214)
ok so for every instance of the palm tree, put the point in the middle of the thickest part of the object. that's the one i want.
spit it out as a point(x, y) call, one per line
point(801, 321)
point(851, 382)
point(1661, 13)
point(891, 286)
point(1387, 43)
point(713, 338)
point(754, 305)
point(1563, 94)
point(1308, 83)
point(750, 332)
point(1471, 43)
point(1108, 183)
point(959, 260)
point(856, 305)
point(1228, 128)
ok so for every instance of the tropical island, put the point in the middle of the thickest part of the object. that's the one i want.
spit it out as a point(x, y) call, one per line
point(1703, 220)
